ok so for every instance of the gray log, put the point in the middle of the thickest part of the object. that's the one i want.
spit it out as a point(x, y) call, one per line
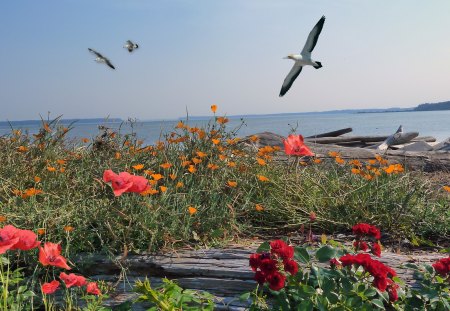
point(333, 133)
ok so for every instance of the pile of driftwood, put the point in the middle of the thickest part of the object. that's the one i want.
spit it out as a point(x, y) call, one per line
point(408, 148)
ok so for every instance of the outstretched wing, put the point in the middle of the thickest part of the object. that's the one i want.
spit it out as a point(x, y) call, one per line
point(96, 53)
point(109, 63)
point(313, 37)
point(290, 78)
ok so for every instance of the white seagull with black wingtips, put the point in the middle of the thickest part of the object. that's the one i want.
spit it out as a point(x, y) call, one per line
point(304, 58)
point(130, 46)
point(101, 59)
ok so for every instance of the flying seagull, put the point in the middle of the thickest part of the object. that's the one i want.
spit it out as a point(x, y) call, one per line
point(130, 46)
point(101, 59)
point(304, 58)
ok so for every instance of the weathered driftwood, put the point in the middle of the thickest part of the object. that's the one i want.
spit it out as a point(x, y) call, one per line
point(332, 133)
point(224, 273)
point(428, 161)
point(345, 139)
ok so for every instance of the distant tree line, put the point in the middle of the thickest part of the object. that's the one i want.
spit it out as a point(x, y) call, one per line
point(437, 106)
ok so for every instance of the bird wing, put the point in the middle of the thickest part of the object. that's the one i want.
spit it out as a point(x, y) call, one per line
point(96, 53)
point(129, 42)
point(109, 63)
point(290, 78)
point(313, 37)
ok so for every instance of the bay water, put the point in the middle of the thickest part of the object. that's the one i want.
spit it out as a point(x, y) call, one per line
point(427, 123)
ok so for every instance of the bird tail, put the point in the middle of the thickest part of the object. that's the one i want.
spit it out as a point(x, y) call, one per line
point(319, 65)
point(136, 46)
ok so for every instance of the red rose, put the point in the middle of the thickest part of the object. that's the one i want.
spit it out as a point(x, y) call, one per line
point(281, 249)
point(276, 281)
point(268, 266)
point(291, 266)
point(366, 229)
point(255, 261)
point(376, 249)
point(442, 266)
point(360, 245)
point(380, 283)
point(260, 277)
point(392, 291)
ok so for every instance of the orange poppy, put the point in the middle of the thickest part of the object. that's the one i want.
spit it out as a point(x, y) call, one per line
point(231, 164)
point(179, 184)
point(69, 228)
point(260, 161)
point(213, 166)
point(172, 176)
point(22, 149)
point(163, 188)
point(222, 120)
point(157, 176)
point(138, 167)
point(166, 165)
point(259, 208)
point(51, 169)
point(192, 210)
point(213, 108)
point(196, 160)
point(262, 178)
point(231, 183)
point(215, 141)
point(201, 154)
point(37, 179)
point(446, 188)
point(192, 169)
point(317, 161)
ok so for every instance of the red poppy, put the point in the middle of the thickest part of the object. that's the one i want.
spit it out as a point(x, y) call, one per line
point(50, 288)
point(72, 279)
point(8, 238)
point(125, 182)
point(50, 255)
point(27, 240)
point(93, 289)
point(294, 145)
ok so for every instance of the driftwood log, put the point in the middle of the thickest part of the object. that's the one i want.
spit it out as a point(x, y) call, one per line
point(225, 273)
point(427, 161)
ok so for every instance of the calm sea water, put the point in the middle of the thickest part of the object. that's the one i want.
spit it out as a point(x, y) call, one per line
point(427, 123)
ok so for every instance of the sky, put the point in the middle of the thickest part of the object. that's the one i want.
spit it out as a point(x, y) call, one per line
point(196, 53)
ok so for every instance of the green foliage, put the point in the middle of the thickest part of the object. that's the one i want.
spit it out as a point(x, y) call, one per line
point(432, 292)
point(74, 195)
point(170, 297)
point(14, 292)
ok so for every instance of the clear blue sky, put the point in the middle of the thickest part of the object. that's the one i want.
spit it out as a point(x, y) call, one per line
point(194, 53)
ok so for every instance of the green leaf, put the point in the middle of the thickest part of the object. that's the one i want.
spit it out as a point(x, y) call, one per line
point(370, 292)
point(301, 254)
point(305, 305)
point(264, 247)
point(244, 296)
point(378, 303)
point(325, 253)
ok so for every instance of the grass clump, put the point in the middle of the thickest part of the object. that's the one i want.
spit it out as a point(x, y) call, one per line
point(206, 187)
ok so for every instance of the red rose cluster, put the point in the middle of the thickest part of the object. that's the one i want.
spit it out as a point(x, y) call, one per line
point(382, 274)
point(273, 267)
point(442, 266)
point(362, 230)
